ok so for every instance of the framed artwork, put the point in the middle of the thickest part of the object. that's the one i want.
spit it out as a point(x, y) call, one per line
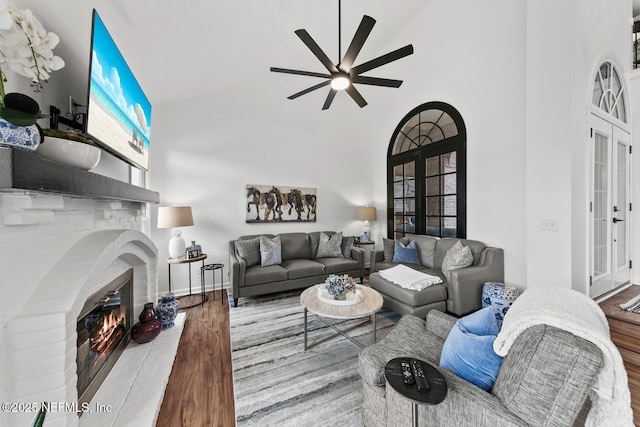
point(268, 203)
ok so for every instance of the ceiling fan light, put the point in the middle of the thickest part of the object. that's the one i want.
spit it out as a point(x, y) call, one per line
point(340, 82)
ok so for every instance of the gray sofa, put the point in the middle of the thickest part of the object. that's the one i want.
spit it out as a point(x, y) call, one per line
point(543, 380)
point(461, 290)
point(300, 268)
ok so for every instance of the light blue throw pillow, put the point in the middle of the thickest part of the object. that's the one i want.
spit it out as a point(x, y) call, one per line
point(270, 251)
point(468, 349)
point(406, 253)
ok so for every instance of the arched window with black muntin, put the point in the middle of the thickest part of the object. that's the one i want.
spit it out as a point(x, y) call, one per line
point(426, 173)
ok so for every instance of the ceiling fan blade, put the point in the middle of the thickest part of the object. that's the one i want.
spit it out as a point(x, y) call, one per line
point(315, 49)
point(329, 100)
point(353, 92)
point(375, 81)
point(298, 72)
point(363, 31)
point(382, 60)
point(310, 89)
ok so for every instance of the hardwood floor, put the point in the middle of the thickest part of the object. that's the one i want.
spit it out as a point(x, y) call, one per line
point(626, 335)
point(200, 388)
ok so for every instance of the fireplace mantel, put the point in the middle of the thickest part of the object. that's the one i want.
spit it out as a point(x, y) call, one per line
point(21, 170)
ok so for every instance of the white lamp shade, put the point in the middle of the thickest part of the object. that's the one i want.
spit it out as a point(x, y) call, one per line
point(366, 213)
point(174, 216)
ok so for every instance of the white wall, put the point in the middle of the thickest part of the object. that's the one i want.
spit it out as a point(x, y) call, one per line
point(475, 61)
point(599, 32)
point(204, 157)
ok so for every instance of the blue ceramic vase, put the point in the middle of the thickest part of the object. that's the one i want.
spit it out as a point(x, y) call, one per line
point(25, 138)
point(167, 310)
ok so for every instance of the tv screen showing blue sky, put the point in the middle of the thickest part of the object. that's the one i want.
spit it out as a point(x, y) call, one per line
point(119, 113)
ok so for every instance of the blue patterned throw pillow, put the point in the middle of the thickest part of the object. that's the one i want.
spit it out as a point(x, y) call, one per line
point(468, 349)
point(406, 253)
point(270, 251)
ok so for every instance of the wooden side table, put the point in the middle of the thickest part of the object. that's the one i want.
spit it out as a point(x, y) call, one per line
point(625, 334)
point(173, 261)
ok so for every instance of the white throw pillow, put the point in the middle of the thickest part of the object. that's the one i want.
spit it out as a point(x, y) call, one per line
point(270, 251)
point(458, 256)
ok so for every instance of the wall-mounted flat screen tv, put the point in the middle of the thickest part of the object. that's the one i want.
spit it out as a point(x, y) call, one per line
point(118, 111)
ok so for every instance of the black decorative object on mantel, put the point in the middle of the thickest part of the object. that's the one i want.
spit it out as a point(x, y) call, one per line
point(56, 119)
point(343, 74)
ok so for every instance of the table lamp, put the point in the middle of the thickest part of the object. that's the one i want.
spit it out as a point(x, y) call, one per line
point(174, 217)
point(366, 214)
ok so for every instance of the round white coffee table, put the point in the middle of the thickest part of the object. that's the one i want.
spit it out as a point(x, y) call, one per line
point(368, 307)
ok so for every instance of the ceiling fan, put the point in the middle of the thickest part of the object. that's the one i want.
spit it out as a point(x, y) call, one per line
point(344, 75)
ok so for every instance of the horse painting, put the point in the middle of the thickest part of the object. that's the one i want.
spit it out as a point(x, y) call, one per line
point(280, 204)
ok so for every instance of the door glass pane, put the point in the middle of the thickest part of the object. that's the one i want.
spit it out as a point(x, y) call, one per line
point(433, 226)
point(433, 186)
point(410, 206)
point(600, 202)
point(441, 190)
point(449, 205)
point(404, 203)
point(433, 166)
point(398, 174)
point(449, 184)
point(621, 206)
point(449, 162)
point(449, 227)
point(398, 223)
point(433, 206)
point(398, 189)
point(410, 224)
point(410, 188)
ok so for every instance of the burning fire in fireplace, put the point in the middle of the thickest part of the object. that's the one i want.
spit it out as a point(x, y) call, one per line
point(109, 334)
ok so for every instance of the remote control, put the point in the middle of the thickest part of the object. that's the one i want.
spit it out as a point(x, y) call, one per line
point(421, 381)
point(407, 374)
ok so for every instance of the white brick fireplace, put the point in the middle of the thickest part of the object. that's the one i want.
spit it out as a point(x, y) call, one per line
point(55, 251)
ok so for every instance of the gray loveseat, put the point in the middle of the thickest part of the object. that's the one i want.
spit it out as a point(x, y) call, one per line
point(461, 290)
point(543, 380)
point(300, 267)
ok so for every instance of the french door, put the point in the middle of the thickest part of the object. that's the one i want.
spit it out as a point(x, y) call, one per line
point(610, 207)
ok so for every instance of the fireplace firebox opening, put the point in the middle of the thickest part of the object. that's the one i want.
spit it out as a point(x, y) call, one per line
point(103, 329)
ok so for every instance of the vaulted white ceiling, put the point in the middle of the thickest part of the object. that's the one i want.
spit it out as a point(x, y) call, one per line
point(197, 47)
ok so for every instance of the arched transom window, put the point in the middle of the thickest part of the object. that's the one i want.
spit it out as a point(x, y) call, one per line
point(608, 92)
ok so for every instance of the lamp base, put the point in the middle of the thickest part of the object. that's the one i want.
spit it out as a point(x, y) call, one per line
point(177, 245)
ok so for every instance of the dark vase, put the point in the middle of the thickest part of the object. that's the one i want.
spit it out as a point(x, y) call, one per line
point(148, 327)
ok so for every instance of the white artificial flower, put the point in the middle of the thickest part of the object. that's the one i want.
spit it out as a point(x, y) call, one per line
point(25, 46)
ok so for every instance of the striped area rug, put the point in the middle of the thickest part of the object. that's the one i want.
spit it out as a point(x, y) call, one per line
point(277, 383)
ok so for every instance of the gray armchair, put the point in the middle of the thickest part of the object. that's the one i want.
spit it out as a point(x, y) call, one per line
point(543, 381)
